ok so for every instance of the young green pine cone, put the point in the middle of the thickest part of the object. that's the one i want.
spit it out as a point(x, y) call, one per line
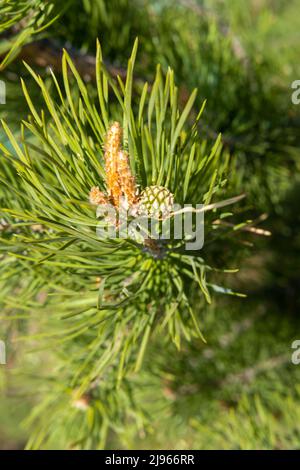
point(156, 201)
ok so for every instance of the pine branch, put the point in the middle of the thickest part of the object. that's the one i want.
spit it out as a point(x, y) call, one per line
point(47, 54)
point(106, 297)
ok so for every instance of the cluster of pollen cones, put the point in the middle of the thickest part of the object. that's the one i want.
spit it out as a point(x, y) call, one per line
point(120, 183)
